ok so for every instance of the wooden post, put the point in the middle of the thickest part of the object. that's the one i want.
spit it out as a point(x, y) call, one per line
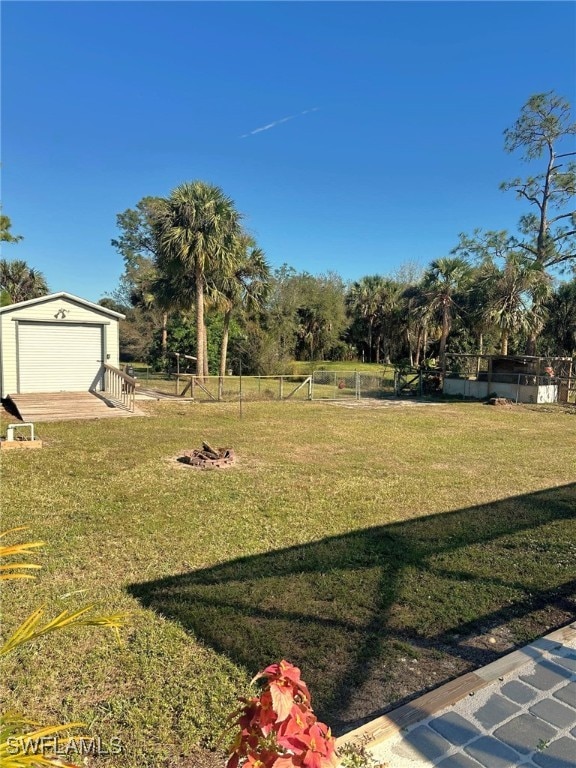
point(240, 387)
point(281, 387)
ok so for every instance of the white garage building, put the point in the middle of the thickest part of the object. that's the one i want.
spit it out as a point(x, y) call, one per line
point(56, 343)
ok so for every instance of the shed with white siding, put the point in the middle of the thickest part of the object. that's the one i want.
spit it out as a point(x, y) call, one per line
point(56, 343)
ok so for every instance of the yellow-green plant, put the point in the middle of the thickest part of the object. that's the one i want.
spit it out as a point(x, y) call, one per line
point(22, 743)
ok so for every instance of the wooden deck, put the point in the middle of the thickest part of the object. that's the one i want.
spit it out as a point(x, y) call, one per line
point(67, 406)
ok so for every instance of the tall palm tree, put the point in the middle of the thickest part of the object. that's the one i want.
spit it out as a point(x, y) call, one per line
point(515, 296)
point(197, 229)
point(245, 286)
point(363, 301)
point(19, 282)
point(443, 281)
point(387, 318)
point(412, 321)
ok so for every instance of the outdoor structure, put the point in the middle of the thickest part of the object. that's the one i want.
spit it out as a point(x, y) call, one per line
point(523, 379)
point(56, 343)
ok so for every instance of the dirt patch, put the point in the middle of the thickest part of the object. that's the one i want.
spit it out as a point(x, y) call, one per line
point(568, 408)
point(372, 402)
point(426, 665)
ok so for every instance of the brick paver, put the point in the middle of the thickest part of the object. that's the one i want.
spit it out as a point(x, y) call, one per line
point(525, 733)
point(568, 661)
point(546, 676)
point(523, 719)
point(491, 753)
point(425, 741)
point(458, 761)
point(559, 754)
point(495, 711)
point(567, 694)
point(455, 728)
point(519, 692)
point(554, 713)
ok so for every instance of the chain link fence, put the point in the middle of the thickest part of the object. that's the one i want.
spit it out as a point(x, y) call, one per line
point(227, 388)
point(350, 385)
point(320, 385)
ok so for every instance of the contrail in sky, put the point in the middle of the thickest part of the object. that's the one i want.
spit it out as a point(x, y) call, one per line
point(278, 122)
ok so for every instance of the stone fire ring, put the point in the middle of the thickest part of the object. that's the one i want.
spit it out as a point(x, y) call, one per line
point(209, 458)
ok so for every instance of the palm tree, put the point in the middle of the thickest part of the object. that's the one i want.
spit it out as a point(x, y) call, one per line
point(363, 301)
point(19, 282)
point(197, 229)
point(516, 295)
point(561, 325)
point(246, 285)
point(387, 318)
point(443, 281)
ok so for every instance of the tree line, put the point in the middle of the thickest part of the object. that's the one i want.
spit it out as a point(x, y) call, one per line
point(195, 281)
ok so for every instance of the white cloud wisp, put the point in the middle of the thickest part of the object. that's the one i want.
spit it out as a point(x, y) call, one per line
point(278, 122)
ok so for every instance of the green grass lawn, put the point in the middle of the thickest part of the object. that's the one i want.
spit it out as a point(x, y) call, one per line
point(375, 548)
point(307, 367)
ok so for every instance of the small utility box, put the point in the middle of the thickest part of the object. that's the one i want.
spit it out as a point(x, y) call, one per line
point(14, 439)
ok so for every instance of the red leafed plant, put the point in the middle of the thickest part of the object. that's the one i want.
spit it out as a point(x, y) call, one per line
point(278, 728)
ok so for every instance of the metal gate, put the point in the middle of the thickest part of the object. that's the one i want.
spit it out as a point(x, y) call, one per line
point(349, 385)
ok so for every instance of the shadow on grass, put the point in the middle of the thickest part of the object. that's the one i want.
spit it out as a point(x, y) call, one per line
point(345, 607)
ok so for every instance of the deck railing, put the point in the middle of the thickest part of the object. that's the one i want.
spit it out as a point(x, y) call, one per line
point(119, 387)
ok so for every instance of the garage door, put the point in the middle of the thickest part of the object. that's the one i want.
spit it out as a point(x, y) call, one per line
point(57, 357)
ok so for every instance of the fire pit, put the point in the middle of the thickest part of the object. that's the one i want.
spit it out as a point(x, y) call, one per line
point(208, 457)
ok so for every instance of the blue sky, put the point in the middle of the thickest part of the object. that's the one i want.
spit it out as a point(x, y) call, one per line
point(395, 145)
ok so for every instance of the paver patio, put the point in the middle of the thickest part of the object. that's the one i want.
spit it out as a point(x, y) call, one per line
point(523, 715)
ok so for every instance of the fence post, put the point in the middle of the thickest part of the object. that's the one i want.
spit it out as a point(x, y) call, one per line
point(240, 396)
point(281, 387)
point(310, 387)
point(357, 382)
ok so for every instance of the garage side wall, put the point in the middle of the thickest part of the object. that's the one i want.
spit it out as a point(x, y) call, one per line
point(112, 342)
point(8, 354)
point(47, 311)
